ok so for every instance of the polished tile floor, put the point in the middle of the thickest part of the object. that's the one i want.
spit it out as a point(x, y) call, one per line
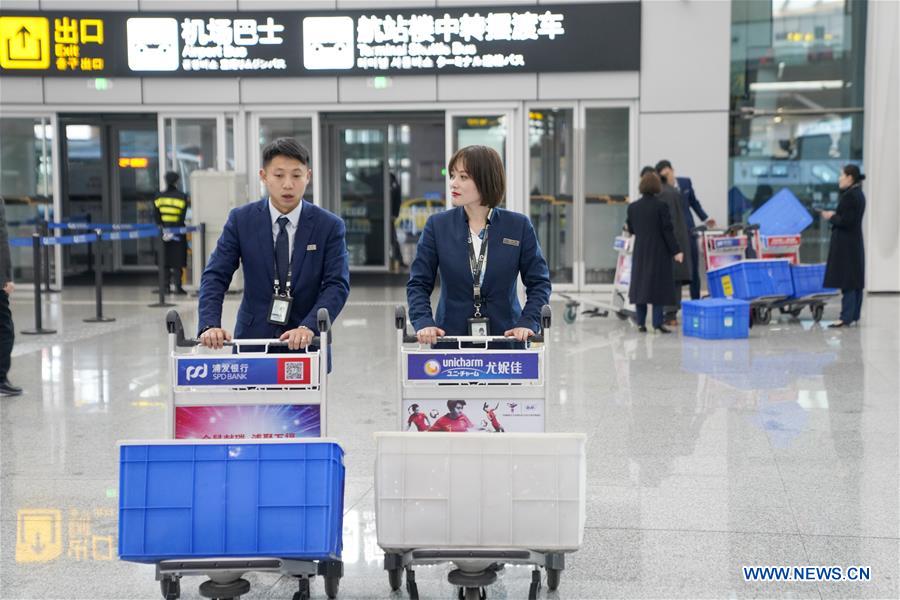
point(703, 457)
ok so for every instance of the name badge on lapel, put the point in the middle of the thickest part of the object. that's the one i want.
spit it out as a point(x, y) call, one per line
point(510, 242)
point(311, 248)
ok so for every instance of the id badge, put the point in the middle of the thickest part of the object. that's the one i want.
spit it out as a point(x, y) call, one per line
point(479, 327)
point(280, 309)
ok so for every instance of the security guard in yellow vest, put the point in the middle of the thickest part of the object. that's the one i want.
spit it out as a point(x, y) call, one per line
point(171, 206)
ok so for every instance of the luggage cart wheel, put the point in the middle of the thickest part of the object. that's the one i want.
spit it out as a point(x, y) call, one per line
point(303, 594)
point(762, 315)
point(395, 577)
point(571, 313)
point(332, 583)
point(224, 591)
point(553, 578)
point(623, 316)
point(818, 311)
point(472, 593)
point(535, 587)
point(170, 586)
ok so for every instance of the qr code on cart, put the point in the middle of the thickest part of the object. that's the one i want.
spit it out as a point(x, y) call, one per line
point(293, 371)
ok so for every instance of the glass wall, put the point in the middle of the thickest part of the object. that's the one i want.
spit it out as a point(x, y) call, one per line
point(26, 184)
point(607, 150)
point(551, 166)
point(796, 105)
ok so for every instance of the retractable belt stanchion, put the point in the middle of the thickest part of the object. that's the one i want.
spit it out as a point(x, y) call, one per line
point(38, 309)
point(45, 232)
point(98, 283)
point(163, 275)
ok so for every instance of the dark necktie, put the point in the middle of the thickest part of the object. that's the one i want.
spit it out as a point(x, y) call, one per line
point(282, 256)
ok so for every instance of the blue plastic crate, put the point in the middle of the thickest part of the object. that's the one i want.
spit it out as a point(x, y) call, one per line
point(751, 279)
point(782, 214)
point(202, 500)
point(716, 319)
point(809, 280)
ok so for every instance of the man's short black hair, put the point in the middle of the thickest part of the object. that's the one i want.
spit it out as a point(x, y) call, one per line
point(647, 169)
point(171, 178)
point(288, 147)
point(452, 403)
point(663, 164)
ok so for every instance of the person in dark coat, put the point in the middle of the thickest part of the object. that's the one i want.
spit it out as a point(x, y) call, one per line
point(846, 268)
point(171, 207)
point(690, 205)
point(654, 248)
point(681, 272)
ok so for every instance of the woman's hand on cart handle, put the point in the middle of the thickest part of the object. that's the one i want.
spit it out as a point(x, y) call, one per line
point(429, 335)
point(215, 338)
point(826, 214)
point(298, 338)
point(711, 223)
point(679, 258)
point(520, 333)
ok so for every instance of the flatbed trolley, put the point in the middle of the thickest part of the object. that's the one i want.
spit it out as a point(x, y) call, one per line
point(465, 369)
point(247, 397)
point(618, 303)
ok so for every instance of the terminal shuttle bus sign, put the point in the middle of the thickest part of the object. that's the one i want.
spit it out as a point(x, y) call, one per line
point(484, 39)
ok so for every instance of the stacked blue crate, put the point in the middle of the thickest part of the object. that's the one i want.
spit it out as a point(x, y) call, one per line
point(202, 500)
point(809, 280)
point(751, 279)
point(716, 318)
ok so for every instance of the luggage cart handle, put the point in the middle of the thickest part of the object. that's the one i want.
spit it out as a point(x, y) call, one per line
point(400, 323)
point(176, 327)
point(477, 339)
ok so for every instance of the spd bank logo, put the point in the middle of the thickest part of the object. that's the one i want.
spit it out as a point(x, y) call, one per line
point(196, 372)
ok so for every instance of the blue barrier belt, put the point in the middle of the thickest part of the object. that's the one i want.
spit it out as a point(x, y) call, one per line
point(143, 231)
point(102, 226)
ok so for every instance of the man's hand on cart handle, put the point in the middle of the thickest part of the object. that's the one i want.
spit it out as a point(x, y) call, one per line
point(429, 335)
point(679, 258)
point(298, 338)
point(826, 214)
point(215, 338)
point(711, 223)
point(520, 333)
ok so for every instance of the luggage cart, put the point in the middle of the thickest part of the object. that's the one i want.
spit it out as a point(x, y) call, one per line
point(618, 303)
point(246, 397)
point(468, 370)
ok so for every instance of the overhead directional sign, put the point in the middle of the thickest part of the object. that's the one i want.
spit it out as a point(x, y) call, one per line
point(527, 39)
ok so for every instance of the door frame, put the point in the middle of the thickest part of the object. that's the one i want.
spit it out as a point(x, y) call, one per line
point(581, 165)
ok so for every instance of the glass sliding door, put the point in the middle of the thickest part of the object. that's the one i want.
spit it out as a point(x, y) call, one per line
point(135, 182)
point(363, 189)
point(607, 175)
point(551, 180)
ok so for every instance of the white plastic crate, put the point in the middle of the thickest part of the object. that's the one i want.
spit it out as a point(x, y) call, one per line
point(480, 490)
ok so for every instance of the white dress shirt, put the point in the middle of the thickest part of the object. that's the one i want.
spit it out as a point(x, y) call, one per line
point(293, 220)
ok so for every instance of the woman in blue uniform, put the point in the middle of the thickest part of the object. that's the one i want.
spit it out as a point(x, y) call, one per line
point(480, 250)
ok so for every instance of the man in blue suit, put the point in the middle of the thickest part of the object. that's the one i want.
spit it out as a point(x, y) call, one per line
point(690, 204)
point(480, 251)
point(293, 255)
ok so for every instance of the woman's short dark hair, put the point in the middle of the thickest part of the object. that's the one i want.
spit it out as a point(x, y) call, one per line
point(485, 167)
point(288, 147)
point(852, 171)
point(650, 184)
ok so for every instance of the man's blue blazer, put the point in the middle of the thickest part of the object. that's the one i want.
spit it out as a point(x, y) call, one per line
point(320, 272)
point(512, 249)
